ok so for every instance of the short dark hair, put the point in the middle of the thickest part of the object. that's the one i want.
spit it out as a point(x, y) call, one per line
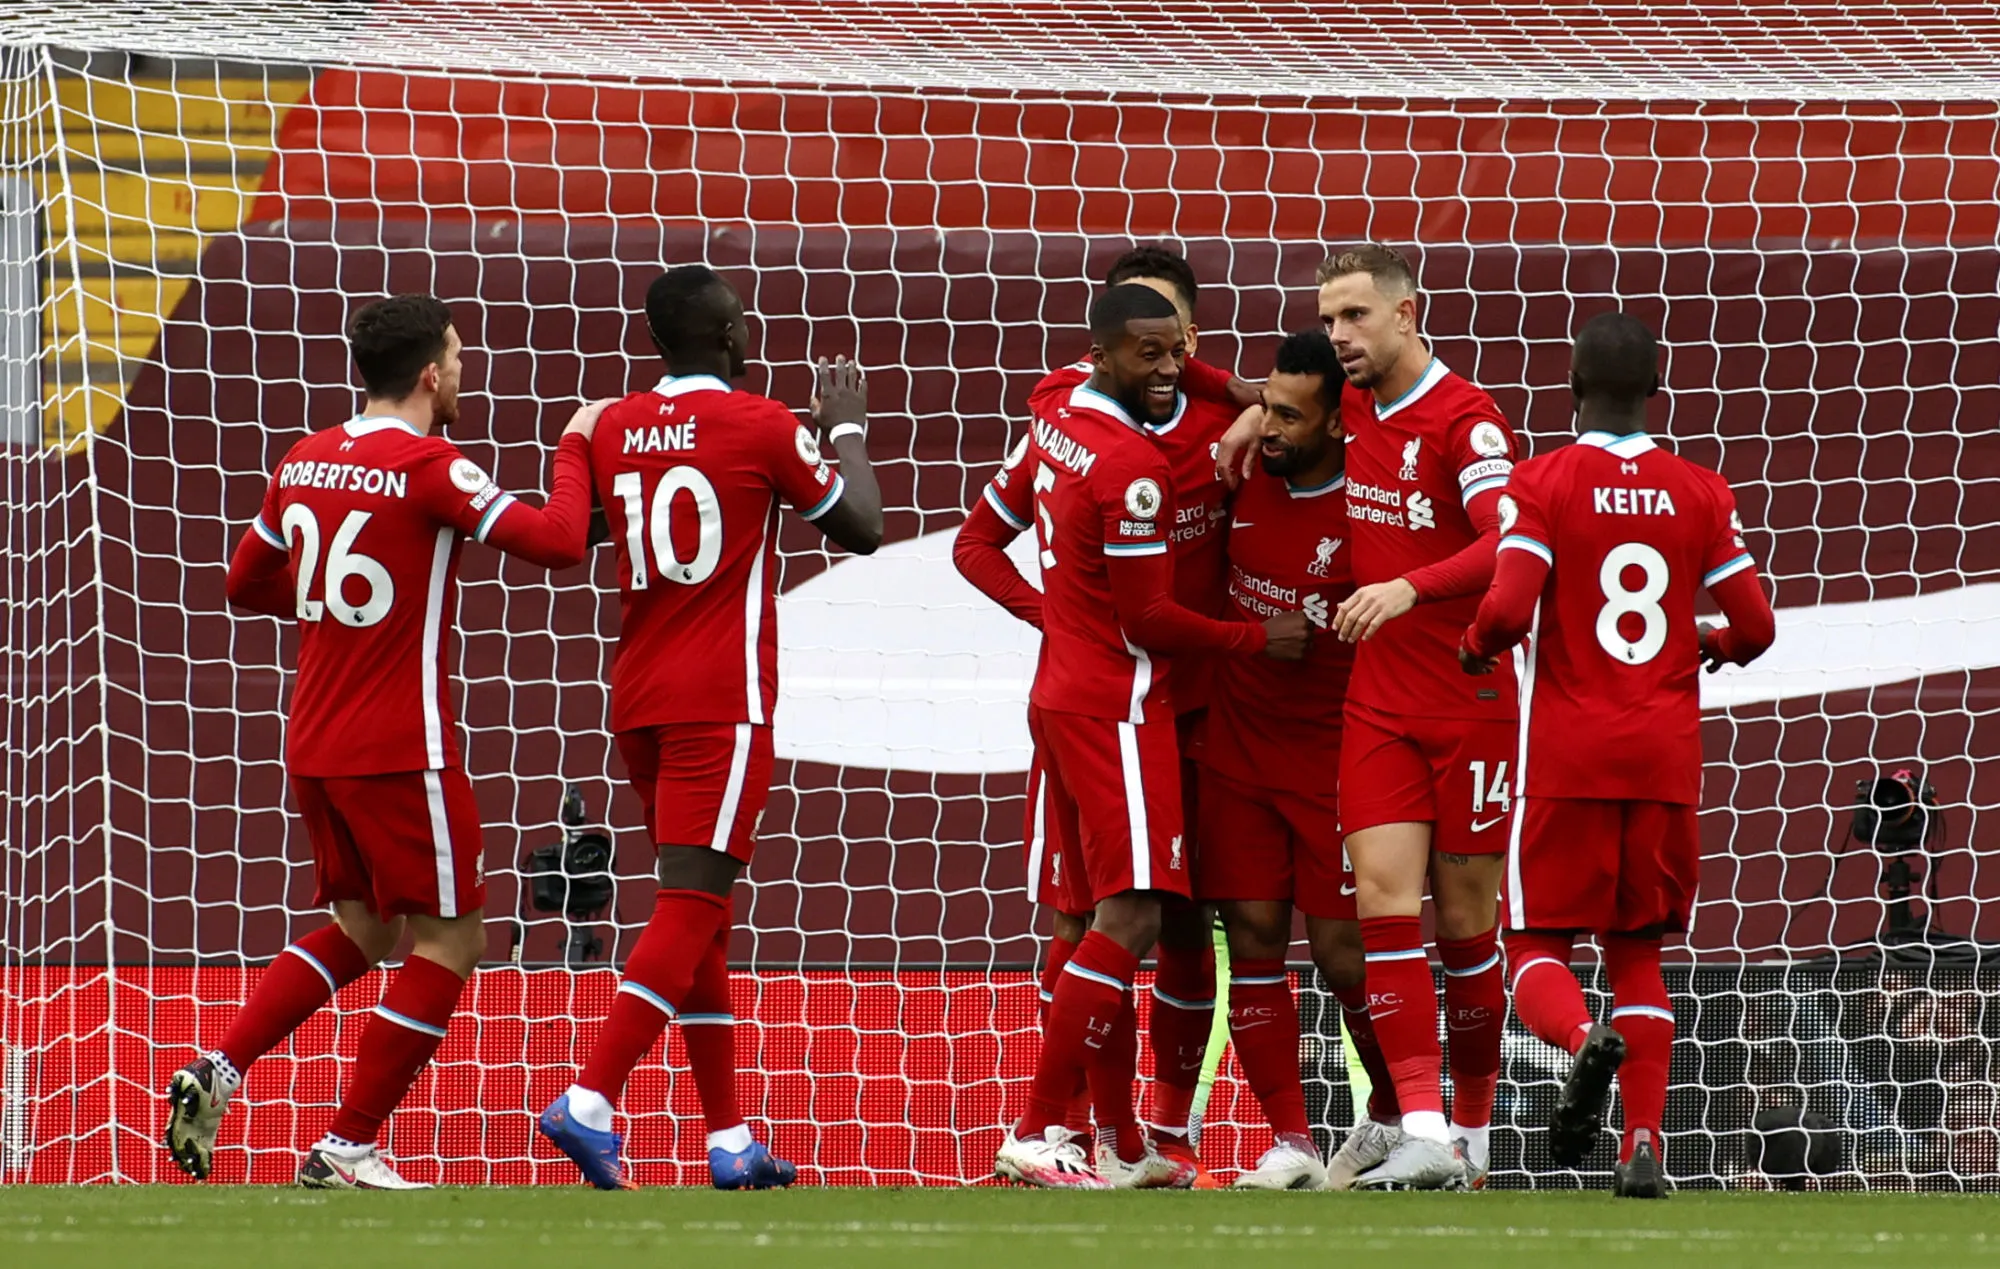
point(1310, 352)
point(685, 306)
point(1121, 305)
point(393, 340)
point(1387, 266)
point(1155, 261)
point(1616, 359)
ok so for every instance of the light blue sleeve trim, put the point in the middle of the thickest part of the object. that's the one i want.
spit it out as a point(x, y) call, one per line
point(825, 504)
point(1730, 569)
point(1006, 513)
point(1481, 486)
point(492, 516)
point(1522, 542)
point(265, 532)
point(1123, 549)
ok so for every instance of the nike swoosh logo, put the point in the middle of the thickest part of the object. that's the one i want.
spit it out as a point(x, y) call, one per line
point(1377, 1017)
point(1346, 890)
point(1245, 1026)
point(1480, 826)
point(1239, 524)
point(340, 1172)
point(1094, 1044)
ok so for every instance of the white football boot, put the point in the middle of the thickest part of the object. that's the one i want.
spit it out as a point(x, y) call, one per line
point(1417, 1163)
point(1052, 1161)
point(1292, 1163)
point(1366, 1147)
point(326, 1169)
point(1154, 1171)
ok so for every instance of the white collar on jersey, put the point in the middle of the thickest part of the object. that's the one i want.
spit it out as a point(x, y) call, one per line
point(1338, 483)
point(368, 427)
point(1432, 376)
point(1628, 446)
point(674, 385)
point(1086, 397)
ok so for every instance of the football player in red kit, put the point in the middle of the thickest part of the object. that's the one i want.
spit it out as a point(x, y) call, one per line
point(1424, 759)
point(690, 473)
point(1267, 752)
point(1605, 547)
point(1183, 1003)
point(358, 539)
point(1100, 714)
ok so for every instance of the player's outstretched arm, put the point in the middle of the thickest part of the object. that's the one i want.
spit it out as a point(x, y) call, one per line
point(556, 534)
point(980, 554)
point(840, 409)
point(1142, 594)
point(260, 573)
point(1519, 574)
point(1752, 627)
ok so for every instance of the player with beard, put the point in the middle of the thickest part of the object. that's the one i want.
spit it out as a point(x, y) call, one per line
point(1426, 753)
point(358, 539)
point(1100, 714)
point(1183, 1004)
point(1270, 813)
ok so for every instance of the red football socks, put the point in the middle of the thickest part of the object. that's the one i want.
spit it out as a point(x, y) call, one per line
point(1113, 1074)
point(1183, 1012)
point(1641, 1012)
point(1264, 1027)
point(292, 989)
point(1057, 956)
point(1475, 1015)
point(1090, 994)
point(657, 979)
point(1382, 1105)
point(708, 1028)
point(406, 1030)
point(1547, 998)
point(1403, 1004)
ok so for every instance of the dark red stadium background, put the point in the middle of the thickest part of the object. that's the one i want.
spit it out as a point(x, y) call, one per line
point(1835, 381)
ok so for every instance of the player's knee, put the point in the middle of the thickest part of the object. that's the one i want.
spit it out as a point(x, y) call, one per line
point(1337, 951)
point(1131, 920)
point(1257, 931)
point(457, 943)
point(1070, 929)
point(1186, 925)
point(373, 935)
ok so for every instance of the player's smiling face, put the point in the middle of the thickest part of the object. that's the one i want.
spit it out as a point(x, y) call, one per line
point(1298, 424)
point(1369, 330)
point(1144, 368)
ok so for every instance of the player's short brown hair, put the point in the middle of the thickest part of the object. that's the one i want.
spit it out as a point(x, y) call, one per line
point(1156, 261)
point(1387, 266)
point(393, 340)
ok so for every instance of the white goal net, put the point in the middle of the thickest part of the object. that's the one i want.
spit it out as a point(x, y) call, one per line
point(193, 195)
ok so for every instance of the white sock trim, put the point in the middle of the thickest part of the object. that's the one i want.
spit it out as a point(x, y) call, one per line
point(1426, 1123)
point(590, 1108)
point(735, 1140)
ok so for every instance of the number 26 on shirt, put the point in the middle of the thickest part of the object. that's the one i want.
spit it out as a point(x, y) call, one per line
point(655, 525)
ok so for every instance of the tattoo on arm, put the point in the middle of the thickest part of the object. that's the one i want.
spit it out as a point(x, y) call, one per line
point(1455, 859)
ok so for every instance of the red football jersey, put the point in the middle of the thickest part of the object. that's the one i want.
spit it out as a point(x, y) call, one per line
point(373, 513)
point(1093, 486)
point(1610, 706)
point(689, 475)
point(1198, 536)
point(1412, 466)
point(1276, 724)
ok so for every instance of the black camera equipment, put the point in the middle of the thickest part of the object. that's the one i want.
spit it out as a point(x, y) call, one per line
point(572, 877)
point(1897, 815)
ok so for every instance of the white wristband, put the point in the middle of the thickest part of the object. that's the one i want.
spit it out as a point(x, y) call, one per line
point(846, 429)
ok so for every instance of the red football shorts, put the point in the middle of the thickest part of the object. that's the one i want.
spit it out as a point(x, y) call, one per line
point(1452, 773)
point(1187, 728)
point(407, 844)
point(1272, 844)
point(1114, 794)
point(701, 784)
point(1605, 867)
point(1042, 840)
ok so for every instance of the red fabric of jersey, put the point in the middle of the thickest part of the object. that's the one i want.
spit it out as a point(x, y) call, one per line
point(1628, 534)
point(368, 518)
point(690, 474)
point(1414, 465)
point(404, 843)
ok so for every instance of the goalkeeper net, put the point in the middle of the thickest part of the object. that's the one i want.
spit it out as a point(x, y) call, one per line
point(192, 197)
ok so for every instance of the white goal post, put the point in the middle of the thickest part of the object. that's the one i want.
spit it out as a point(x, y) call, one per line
point(1804, 198)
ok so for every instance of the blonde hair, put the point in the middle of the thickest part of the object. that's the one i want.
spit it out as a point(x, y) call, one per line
point(1391, 272)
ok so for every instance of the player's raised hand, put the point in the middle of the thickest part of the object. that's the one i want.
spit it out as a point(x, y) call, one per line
point(1287, 636)
point(1236, 453)
point(1364, 612)
point(584, 422)
point(840, 396)
point(1474, 664)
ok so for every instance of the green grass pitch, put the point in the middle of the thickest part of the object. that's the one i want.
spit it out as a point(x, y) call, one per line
point(129, 1227)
